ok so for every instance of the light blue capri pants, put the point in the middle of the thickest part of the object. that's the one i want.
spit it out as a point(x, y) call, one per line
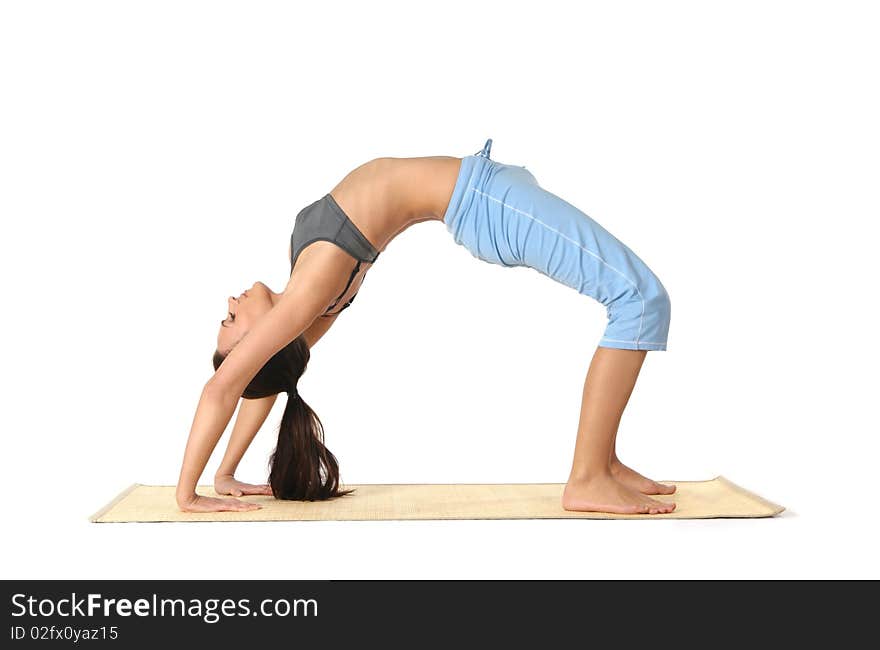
point(502, 216)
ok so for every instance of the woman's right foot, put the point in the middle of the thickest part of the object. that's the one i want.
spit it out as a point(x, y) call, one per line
point(603, 493)
point(631, 478)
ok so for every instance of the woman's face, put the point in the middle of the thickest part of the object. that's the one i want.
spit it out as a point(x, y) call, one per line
point(242, 313)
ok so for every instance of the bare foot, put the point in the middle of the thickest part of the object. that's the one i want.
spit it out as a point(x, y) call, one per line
point(603, 493)
point(636, 481)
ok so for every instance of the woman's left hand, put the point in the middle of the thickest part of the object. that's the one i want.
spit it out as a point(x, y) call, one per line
point(229, 485)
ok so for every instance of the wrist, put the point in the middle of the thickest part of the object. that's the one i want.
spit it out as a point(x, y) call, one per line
point(186, 498)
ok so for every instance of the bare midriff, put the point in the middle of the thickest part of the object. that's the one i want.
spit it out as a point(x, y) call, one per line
point(386, 196)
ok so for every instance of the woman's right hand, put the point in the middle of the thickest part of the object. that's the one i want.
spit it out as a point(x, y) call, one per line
point(212, 504)
point(227, 484)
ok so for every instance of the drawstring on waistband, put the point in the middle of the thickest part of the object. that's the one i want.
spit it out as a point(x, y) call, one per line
point(486, 149)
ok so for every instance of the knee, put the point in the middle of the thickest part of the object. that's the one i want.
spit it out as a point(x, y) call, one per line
point(647, 298)
point(657, 301)
point(639, 318)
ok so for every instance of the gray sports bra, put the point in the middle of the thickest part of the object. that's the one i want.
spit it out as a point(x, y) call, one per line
point(325, 220)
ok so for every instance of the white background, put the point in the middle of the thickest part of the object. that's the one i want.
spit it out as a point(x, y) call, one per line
point(153, 157)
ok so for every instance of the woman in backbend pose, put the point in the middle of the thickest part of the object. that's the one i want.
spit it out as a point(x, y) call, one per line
point(502, 216)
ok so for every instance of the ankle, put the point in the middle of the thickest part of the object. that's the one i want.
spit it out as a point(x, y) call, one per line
point(615, 466)
point(588, 475)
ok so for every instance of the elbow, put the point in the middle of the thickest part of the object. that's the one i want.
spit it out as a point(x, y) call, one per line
point(217, 389)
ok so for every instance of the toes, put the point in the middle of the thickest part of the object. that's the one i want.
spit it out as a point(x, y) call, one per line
point(659, 507)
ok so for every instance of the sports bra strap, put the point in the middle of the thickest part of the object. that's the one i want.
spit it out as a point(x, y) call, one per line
point(350, 280)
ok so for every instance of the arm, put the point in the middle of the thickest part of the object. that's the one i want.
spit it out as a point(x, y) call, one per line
point(288, 318)
point(251, 415)
point(318, 328)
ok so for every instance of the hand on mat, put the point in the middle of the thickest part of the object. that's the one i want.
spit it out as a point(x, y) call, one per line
point(211, 504)
point(228, 485)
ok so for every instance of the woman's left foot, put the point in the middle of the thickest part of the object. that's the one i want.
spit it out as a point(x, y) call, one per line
point(633, 479)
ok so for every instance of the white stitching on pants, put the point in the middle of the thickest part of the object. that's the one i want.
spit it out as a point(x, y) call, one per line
point(605, 338)
point(552, 229)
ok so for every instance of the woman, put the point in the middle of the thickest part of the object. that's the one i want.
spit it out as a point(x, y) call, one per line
point(502, 216)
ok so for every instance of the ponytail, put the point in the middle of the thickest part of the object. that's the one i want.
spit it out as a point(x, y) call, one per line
point(301, 468)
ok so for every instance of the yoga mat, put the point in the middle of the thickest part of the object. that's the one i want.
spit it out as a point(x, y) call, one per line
point(714, 498)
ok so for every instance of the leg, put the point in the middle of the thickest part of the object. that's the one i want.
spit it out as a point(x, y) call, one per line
point(629, 476)
point(510, 220)
point(592, 485)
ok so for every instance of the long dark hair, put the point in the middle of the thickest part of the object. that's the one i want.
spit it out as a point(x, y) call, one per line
point(301, 467)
